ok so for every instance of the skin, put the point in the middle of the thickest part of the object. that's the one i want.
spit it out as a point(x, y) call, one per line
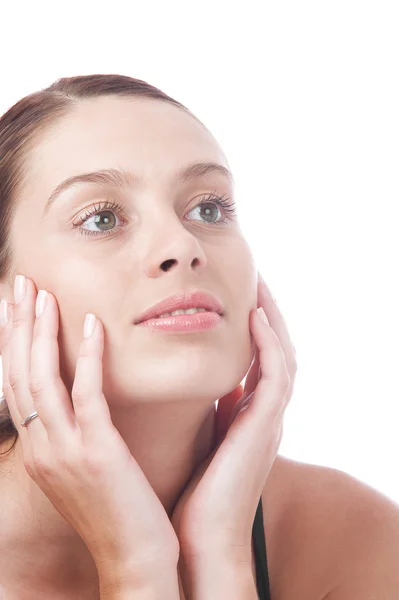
point(161, 388)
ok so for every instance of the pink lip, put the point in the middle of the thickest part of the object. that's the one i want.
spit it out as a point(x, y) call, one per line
point(183, 323)
point(182, 301)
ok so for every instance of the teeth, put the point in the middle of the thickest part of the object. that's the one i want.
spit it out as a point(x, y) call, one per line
point(189, 311)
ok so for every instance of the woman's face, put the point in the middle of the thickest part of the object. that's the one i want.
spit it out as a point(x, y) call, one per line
point(111, 266)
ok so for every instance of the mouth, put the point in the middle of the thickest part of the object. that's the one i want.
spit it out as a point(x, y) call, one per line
point(184, 322)
point(182, 305)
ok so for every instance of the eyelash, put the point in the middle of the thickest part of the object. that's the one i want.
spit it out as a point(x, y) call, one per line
point(228, 206)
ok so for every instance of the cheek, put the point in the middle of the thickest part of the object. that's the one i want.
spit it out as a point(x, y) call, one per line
point(74, 301)
point(243, 261)
point(244, 277)
point(70, 336)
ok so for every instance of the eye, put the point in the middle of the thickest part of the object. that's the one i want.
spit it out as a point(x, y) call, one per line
point(103, 215)
point(221, 202)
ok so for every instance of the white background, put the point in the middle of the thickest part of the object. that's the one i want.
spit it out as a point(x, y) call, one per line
point(303, 98)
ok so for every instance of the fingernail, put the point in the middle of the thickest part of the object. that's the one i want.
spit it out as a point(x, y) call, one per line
point(41, 302)
point(262, 315)
point(19, 288)
point(3, 312)
point(90, 323)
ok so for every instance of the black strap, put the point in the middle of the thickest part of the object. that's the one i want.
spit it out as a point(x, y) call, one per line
point(262, 575)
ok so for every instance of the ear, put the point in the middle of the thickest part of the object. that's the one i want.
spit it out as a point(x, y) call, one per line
point(224, 410)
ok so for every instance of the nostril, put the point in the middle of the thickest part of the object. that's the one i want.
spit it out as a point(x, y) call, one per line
point(167, 264)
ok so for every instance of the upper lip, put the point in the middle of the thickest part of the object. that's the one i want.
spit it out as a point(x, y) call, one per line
point(184, 300)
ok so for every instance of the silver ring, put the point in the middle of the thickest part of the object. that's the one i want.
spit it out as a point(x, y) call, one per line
point(24, 422)
point(29, 419)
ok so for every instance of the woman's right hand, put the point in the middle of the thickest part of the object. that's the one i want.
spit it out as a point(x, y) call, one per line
point(73, 452)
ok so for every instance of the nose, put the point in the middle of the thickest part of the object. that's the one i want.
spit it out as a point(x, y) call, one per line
point(176, 248)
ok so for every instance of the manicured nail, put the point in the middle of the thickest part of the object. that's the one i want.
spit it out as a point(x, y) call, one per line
point(90, 323)
point(3, 312)
point(262, 315)
point(41, 302)
point(19, 288)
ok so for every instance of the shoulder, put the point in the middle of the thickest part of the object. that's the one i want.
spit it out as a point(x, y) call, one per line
point(322, 526)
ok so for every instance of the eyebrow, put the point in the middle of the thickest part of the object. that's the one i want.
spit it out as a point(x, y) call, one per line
point(120, 178)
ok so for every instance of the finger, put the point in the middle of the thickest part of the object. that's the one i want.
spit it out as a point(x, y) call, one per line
point(277, 323)
point(50, 396)
point(225, 408)
point(6, 333)
point(252, 378)
point(251, 444)
point(251, 381)
point(271, 395)
point(18, 362)
point(268, 303)
point(91, 408)
point(5, 336)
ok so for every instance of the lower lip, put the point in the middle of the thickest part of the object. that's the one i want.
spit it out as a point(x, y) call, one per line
point(185, 323)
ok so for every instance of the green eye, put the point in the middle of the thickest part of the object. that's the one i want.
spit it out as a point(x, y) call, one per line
point(228, 208)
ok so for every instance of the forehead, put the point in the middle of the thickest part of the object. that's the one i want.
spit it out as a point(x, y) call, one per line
point(150, 137)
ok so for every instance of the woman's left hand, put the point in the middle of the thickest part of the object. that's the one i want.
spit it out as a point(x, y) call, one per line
point(214, 516)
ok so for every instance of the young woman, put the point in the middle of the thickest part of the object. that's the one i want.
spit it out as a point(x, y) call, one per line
point(123, 481)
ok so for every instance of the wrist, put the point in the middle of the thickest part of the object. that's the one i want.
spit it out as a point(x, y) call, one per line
point(133, 594)
point(121, 583)
point(167, 590)
point(217, 579)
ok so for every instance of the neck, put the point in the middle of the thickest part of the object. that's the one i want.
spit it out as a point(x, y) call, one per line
point(168, 442)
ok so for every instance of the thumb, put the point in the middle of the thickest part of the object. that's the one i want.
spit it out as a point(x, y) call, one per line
point(225, 408)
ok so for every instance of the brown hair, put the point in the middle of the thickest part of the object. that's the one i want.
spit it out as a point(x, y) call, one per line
point(20, 128)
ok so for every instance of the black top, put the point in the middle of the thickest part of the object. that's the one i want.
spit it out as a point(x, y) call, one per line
point(262, 575)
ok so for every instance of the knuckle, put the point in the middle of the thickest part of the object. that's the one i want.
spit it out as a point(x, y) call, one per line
point(18, 321)
point(64, 463)
point(41, 468)
point(99, 459)
point(78, 392)
point(36, 387)
point(93, 463)
point(69, 458)
point(79, 395)
point(14, 379)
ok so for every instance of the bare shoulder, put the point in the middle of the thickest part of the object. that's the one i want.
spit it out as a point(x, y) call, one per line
point(320, 523)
